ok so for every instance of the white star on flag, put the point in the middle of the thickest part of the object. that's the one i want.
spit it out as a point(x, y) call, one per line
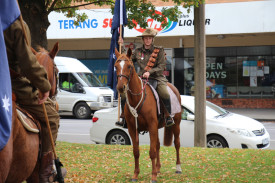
point(6, 103)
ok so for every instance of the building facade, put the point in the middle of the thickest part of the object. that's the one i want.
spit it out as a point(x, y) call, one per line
point(240, 54)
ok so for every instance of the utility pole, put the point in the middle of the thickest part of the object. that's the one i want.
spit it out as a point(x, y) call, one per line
point(200, 76)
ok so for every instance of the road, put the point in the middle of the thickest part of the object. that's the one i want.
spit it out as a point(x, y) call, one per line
point(75, 130)
point(78, 131)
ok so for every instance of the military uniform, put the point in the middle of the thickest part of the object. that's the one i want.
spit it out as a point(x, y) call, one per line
point(31, 77)
point(141, 56)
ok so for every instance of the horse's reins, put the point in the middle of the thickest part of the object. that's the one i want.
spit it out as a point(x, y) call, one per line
point(142, 89)
point(133, 110)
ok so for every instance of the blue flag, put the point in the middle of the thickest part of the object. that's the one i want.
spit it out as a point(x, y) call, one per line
point(119, 18)
point(9, 12)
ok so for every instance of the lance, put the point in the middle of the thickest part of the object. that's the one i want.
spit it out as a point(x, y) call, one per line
point(120, 44)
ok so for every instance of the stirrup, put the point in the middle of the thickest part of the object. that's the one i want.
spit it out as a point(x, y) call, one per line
point(63, 172)
point(120, 123)
point(169, 121)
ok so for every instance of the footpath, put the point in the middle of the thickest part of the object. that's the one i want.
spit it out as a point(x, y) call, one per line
point(258, 114)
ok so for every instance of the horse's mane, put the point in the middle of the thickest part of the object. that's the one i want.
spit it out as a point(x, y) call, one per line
point(41, 49)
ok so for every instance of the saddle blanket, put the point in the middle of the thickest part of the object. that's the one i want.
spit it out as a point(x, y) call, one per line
point(175, 105)
point(27, 121)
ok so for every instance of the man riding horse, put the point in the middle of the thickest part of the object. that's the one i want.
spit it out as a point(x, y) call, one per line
point(152, 62)
point(27, 77)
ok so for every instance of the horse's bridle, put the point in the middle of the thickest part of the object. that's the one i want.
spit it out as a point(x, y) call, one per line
point(129, 78)
point(123, 75)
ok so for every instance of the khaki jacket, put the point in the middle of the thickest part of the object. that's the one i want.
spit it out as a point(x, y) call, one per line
point(142, 55)
point(23, 61)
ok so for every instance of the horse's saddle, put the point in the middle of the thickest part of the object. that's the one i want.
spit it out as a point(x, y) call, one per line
point(175, 105)
point(153, 83)
point(27, 120)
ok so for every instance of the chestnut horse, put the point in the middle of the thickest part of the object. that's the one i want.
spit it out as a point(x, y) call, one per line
point(19, 158)
point(143, 114)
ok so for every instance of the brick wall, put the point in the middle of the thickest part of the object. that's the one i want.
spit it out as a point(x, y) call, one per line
point(245, 103)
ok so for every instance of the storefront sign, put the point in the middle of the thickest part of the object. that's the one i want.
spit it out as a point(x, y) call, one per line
point(215, 71)
point(221, 18)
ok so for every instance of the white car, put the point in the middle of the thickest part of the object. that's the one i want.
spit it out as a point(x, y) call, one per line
point(223, 128)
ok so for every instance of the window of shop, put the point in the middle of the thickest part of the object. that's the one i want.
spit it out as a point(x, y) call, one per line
point(221, 73)
point(256, 76)
point(169, 55)
point(231, 72)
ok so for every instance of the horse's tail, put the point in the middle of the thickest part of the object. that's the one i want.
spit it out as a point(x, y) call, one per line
point(168, 136)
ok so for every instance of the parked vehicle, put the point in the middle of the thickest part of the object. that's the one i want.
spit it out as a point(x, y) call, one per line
point(223, 128)
point(79, 90)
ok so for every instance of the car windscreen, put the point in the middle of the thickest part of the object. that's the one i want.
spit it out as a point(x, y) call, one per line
point(90, 79)
point(213, 110)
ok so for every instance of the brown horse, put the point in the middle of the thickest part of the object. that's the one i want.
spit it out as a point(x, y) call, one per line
point(141, 114)
point(19, 158)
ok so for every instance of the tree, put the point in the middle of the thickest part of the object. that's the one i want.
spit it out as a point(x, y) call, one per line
point(35, 13)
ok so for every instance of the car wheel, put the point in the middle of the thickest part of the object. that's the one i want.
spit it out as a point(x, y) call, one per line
point(215, 141)
point(119, 138)
point(82, 110)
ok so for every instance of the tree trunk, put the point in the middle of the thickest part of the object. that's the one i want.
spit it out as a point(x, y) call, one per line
point(200, 77)
point(35, 15)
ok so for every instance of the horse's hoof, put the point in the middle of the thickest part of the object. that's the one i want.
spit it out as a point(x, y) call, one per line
point(178, 172)
point(134, 180)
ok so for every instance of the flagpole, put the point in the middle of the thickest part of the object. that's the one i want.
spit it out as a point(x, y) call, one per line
point(120, 23)
point(120, 37)
point(120, 33)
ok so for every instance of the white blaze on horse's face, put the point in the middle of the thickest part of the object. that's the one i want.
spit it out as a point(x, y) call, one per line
point(121, 66)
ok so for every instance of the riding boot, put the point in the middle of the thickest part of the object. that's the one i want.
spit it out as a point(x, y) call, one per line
point(122, 122)
point(47, 172)
point(169, 119)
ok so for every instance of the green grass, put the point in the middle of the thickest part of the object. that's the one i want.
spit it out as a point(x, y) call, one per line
point(114, 163)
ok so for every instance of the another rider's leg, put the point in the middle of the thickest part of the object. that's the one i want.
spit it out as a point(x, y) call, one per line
point(122, 101)
point(47, 172)
point(165, 97)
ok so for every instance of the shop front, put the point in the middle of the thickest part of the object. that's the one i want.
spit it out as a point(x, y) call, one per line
point(235, 76)
point(240, 58)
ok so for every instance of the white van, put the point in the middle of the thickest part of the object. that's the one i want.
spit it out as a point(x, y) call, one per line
point(79, 91)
